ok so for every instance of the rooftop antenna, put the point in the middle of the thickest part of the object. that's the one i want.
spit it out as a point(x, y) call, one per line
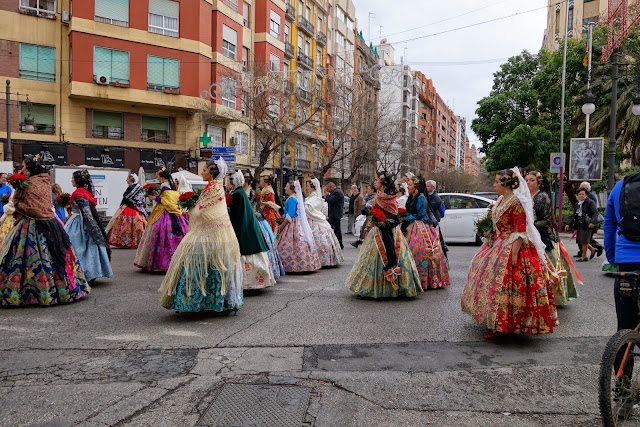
point(381, 31)
point(405, 51)
point(371, 15)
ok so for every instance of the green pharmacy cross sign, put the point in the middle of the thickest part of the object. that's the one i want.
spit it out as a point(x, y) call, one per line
point(205, 139)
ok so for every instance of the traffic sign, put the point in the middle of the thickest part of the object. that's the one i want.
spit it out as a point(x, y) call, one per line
point(556, 162)
point(228, 159)
point(223, 150)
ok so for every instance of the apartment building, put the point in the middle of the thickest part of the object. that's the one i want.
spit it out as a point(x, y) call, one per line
point(426, 123)
point(471, 161)
point(581, 14)
point(446, 123)
point(461, 143)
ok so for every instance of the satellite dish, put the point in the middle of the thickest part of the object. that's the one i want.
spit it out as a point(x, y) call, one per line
point(383, 41)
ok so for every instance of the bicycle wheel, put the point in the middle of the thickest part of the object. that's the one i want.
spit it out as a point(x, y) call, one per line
point(620, 380)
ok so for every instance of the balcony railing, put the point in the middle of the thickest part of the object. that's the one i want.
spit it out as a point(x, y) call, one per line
point(305, 95)
point(161, 88)
point(111, 21)
point(233, 4)
point(149, 135)
point(46, 9)
point(305, 25)
point(304, 60)
point(291, 12)
point(107, 132)
point(39, 128)
point(289, 49)
point(303, 164)
point(321, 38)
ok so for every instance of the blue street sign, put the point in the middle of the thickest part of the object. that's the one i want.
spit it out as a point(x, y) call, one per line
point(228, 159)
point(223, 150)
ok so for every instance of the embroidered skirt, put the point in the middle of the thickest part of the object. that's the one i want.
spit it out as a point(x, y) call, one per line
point(296, 253)
point(158, 243)
point(6, 226)
point(126, 228)
point(274, 258)
point(424, 243)
point(93, 258)
point(327, 244)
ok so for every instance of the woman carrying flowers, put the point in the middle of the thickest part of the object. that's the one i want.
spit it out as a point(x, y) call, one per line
point(127, 225)
point(268, 203)
point(385, 267)
point(508, 287)
point(37, 263)
point(423, 238)
point(166, 226)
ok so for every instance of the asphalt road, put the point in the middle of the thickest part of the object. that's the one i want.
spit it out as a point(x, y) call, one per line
point(117, 358)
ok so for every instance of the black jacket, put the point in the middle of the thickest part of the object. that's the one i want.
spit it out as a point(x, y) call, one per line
point(335, 200)
point(589, 215)
point(435, 204)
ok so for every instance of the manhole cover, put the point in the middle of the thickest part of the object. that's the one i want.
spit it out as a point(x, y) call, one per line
point(253, 405)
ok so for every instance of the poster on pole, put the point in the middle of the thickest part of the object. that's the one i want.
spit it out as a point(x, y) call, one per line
point(556, 162)
point(586, 159)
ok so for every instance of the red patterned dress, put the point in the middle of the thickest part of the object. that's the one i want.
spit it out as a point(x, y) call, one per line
point(269, 207)
point(510, 298)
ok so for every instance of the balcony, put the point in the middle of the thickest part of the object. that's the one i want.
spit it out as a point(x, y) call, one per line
point(42, 9)
point(289, 50)
point(306, 26)
point(290, 14)
point(303, 164)
point(304, 60)
point(305, 95)
point(321, 38)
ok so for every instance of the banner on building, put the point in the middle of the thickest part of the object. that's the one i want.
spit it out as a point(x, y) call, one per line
point(152, 160)
point(50, 154)
point(99, 157)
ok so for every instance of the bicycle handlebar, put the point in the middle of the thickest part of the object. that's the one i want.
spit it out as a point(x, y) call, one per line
point(628, 274)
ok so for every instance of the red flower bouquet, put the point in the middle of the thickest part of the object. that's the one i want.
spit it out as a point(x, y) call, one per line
point(5, 199)
point(18, 181)
point(379, 218)
point(151, 190)
point(228, 198)
point(402, 214)
point(63, 200)
point(188, 200)
point(484, 228)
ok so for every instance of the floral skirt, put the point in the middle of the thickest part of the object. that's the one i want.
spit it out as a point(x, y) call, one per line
point(158, 243)
point(424, 243)
point(565, 290)
point(367, 277)
point(270, 215)
point(126, 228)
point(510, 299)
point(27, 273)
point(257, 272)
point(327, 244)
point(274, 259)
point(93, 258)
point(6, 226)
point(296, 253)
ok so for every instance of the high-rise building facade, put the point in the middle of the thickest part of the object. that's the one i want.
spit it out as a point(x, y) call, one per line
point(461, 143)
point(426, 123)
point(471, 162)
point(582, 13)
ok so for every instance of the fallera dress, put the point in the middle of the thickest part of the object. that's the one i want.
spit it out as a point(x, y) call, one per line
point(207, 268)
point(127, 225)
point(385, 267)
point(296, 253)
point(7, 221)
point(270, 239)
point(37, 263)
point(87, 236)
point(165, 229)
point(564, 290)
point(510, 298)
point(269, 207)
point(327, 244)
point(60, 212)
point(257, 272)
point(425, 245)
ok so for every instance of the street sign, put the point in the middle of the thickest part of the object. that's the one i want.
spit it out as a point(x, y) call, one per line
point(228, 159)
point(556, 162)
point(223, 150)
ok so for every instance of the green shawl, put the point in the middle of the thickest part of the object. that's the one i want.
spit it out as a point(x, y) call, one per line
point(245, 224)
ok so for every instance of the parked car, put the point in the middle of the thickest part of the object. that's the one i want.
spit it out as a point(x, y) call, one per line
point(487, 194)
point(462, 210)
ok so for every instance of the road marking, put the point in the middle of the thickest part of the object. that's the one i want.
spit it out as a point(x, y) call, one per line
point(181, 333)
point(123, 337)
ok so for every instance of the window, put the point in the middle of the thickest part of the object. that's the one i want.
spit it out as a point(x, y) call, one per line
point(46, 8)
point(229, 92)
point(111, 63)
point(245, 103)
point(300, 41)
point(300, 7)
point(163, 74)
point(308, 13)
point(570, 18)
point(107, 124)
point(349, 23)
point(348, 46)
point(216, 135)
point(44, 117)
point(245, 58)
point(275, 25)
point(307, 48)
point(164, 17)
point(340, 14)
point(320, 28)
point(155, 129)
point(229, 42)
point(274, 63)
point(37, 62)
point(274, 106)
point(316, 157)
point(246, 13)
point(241, 142)
point(319, 59)
point(339, 38)
point(287, 31)
point(114, 12)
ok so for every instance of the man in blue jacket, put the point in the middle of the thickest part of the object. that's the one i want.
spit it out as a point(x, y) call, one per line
point(5, 189)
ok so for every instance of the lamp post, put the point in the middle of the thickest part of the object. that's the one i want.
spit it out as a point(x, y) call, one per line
point(8, 155)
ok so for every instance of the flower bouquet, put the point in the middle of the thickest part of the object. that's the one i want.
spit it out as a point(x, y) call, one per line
point(18, 181)
point(63, 200)
point(484, 228)
point(379, 218)
point(402, 214)
point(228, 198)
point(188, 200)
point(279, 220)
point(151, 190)
point(5, 199)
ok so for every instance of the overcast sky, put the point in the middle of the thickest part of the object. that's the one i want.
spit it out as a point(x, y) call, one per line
point(461, 86)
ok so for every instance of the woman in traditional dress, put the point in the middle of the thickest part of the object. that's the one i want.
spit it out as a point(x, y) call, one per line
point(565, 289)
point(508, 288)
point(327, 244)
point(274, 258)
point(127, 225)
point(7, 221)
point(206, 269)
point(253, 248)
point(37, 263)
point(270, 210)
point(165, 229)
point(56, 191)
point(296, 245)
point(85, 230)
point(423, 238)
point(385, 267)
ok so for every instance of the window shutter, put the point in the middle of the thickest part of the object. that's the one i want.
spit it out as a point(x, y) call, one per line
point(42, 114)
point(107, 118)
point(167, 8)
point(171, 72)
point(28, 60)
point(113, 9)
point(120, 66)
point(229, 35)
point(155, 70)
point(155, 123)
point(275, 17)
point(101, 61)
point(47, 63)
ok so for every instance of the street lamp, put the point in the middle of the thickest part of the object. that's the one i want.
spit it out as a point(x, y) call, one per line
point(636, 104)
point(588, 106)
point(28, 121)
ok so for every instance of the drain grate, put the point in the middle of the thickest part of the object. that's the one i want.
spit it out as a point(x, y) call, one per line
point(257, 405)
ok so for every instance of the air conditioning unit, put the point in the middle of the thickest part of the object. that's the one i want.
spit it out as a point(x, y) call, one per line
point(102, 80)
point(65, 17)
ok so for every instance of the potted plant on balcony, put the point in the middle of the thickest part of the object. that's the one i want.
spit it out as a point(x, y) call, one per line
point(118, 84)
point(172, 91)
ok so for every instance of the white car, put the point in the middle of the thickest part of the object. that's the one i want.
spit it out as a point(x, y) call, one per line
point(462, 210)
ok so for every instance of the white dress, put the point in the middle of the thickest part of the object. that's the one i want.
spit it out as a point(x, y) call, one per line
point(327, 243)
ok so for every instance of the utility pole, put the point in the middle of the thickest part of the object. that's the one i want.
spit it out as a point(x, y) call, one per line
point(8, 155)
point(564, 87)
point(612, 124)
